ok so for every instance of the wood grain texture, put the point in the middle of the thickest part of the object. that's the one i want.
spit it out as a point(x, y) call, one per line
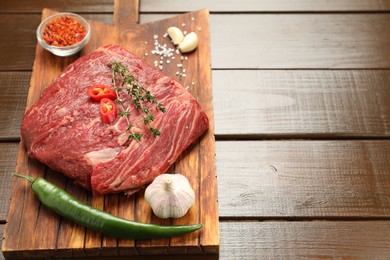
point(8, 152)
point(18, 38)
point(294, 240)
point(32, 6)
point(305, 240)
point(302, 103)
point(290, 41)
point(336, 186)
point(265, 5)
point(65, 239)
point(106, 6)
point(272, 103)
point(304, 179)
point(200, 87)
point(127, 13)
point(13, 100)
point(1, 241)
point(293, 41)
point(267, 189)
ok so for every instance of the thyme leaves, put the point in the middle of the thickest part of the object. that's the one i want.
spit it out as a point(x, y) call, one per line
point(123, 81)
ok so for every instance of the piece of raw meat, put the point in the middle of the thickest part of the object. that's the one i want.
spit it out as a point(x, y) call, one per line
point(64, 129)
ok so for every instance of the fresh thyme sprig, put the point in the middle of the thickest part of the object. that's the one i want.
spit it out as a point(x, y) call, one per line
point(124, 81)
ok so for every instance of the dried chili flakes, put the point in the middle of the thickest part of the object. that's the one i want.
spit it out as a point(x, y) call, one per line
point(63, 31)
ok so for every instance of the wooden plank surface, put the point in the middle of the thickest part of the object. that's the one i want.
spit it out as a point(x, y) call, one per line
point(296, 240)
point(265, 5)
point(290, 103)
point(343, 186)
point(8, 152)
point(18, 242)
point(13, 99)
point(80, 6)
point(18, 32)
point(289, 41)
point(1, 241)
point(344, 180)
point(302, 103)
point(147, 6)
point(306, 240)
point(304, 179)
point(294, 41)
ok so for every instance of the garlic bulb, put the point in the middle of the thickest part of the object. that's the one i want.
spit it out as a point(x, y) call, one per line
point(170, 195)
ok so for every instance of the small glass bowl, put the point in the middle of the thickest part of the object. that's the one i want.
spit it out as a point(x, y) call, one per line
point(66, 50)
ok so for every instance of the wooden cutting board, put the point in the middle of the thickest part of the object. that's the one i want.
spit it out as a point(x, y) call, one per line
point(34, 231)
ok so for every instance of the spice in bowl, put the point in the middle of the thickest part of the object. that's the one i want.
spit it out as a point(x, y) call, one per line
point(63, 34)
point(63, 31)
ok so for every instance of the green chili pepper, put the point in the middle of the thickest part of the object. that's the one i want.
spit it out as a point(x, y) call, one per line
point(67, 206)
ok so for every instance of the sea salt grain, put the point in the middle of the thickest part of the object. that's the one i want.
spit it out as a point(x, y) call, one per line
point(167, 54)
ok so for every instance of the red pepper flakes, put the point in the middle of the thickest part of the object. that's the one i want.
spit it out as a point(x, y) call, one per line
point(64, 31)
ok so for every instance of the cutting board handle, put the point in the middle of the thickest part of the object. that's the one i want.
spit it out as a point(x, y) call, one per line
point(126, 13)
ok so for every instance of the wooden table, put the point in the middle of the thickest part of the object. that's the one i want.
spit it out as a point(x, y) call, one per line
point(302, 119)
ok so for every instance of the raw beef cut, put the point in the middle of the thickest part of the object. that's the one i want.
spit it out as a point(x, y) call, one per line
point(64, 129)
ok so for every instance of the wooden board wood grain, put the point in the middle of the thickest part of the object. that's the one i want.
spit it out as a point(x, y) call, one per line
point(335, 188)
point(293, 240)
point(78, 241)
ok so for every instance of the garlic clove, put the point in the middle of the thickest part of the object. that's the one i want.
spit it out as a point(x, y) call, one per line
point(175, 34)
point(170, 195)
point(189, 43)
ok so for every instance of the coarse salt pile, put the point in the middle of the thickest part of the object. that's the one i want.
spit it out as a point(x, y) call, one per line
point(169, 55)
point(166, 55)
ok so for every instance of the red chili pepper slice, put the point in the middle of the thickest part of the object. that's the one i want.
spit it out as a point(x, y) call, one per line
point(108, 110)
point(98, 92)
